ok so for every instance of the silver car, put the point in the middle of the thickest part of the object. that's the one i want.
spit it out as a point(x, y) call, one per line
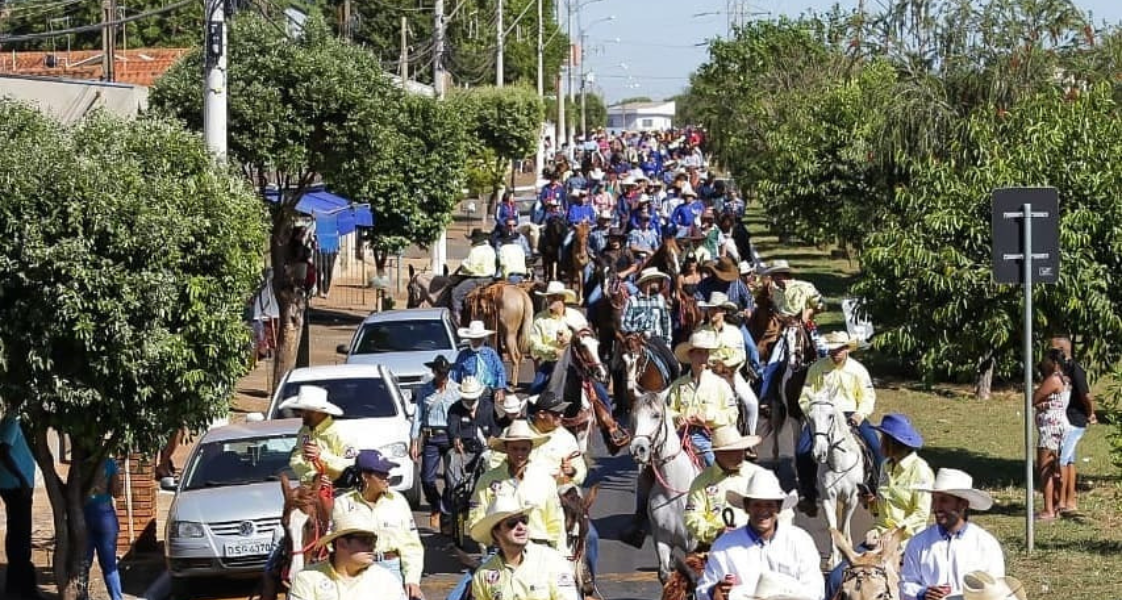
point(404, 340)
point(226, 515)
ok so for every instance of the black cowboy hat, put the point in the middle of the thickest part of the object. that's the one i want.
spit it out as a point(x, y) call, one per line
point(478, 235)
point(439, 364)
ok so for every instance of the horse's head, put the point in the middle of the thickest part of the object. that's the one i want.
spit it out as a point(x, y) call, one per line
point(417, 289)
point(576, 510)
point(586, 347)
point(823, 418)
point(649, 427)
point(874, 574)
point(580, 243)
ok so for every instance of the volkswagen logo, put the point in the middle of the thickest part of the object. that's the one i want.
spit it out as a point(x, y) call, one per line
point(247, 528)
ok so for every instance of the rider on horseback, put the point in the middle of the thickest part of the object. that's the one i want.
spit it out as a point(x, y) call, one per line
point(646, 313)
point(480, 361)
point(706, 508)
point(842, 380)
point(350, 572)
point(322, 452)
point(725, 278)
point(477, 269)
point(520, 568)
point(730, 355)
point(513, 253)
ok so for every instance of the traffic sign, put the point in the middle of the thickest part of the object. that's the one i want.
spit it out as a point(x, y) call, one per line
point(1009, 230)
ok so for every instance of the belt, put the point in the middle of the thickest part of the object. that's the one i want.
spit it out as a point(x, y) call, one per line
point(434, 430)
point(384, 556)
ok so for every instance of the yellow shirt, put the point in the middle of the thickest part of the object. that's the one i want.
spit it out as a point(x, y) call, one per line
point(710, 399)
point(796, 297)
point(321, 582)
point(512, 259)
point(391, 513)
point(560, 444)
point(480, 262)
point(898, 502)
point(544, 574)
point(544, 345)
point(730, 345)
point(536, 489)
point(335, 452)
point(706, 502)
point(849, 386)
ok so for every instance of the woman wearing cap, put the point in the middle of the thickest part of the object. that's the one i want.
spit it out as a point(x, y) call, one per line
point(480, 361)
point(937, 558)
point(350, 573)
point(706, 506)
point(429, 433)
point(520, 569)
point(323, 450)
point(398, 548)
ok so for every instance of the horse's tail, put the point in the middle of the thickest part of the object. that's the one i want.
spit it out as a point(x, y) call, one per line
point(527, 321)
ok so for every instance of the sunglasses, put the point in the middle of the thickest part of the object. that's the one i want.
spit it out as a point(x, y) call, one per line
point(513, 522)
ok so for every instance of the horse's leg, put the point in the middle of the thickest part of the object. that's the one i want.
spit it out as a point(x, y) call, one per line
point(850, 505)
point(296, 521)
point(829, 502)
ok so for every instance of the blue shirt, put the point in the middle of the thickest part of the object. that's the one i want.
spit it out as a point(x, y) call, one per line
point(576, 182)
point(506, 212)
point(12, 436)
point(104, 496)
point(644, 239)
point(581, 212)
point(686, 214)
point(483, 364)
point(736, 291)
point(433, 405)
point(598, 240)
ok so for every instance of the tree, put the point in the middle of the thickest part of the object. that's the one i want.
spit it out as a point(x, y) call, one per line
point(504, 123)
point(634, 100)
point(179, 28)
point(594, 103)
point(125, 274)
point(318, 109)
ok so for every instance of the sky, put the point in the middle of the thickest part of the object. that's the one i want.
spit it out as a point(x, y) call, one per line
point(650, 47)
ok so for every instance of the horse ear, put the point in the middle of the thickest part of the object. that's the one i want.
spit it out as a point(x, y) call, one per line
point(891, 544)
point(445, 269)
point(412, 271)
point(590, 497)
point(843, 544)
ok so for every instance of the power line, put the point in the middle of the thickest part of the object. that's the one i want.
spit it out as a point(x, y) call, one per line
point(7, 39)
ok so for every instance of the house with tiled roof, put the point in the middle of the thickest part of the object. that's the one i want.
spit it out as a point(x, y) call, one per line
point(141, 66)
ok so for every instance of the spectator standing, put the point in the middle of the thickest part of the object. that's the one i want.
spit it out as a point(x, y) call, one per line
point(1080, 415)
point(17, 479)
point(102, 524)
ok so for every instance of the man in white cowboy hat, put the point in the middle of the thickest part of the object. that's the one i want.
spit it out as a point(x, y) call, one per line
point(350, 573)
point(840, 379)
point(531, 484)
point(398, 547)
point(552, 331)
point(706, 505)
point(512, 408)
point(598, 237)
point(793, 298)
point(478, 268)
point(730, 355)
point(647, 313)
point(322, 450)
point(688, 213)
point(520, 568)
point(739, 558)
point(429, 433)
point(936, 559)
point(471, 425)
point(480, 361)
point(644, 238)
point(980, 585)
point(700, 401)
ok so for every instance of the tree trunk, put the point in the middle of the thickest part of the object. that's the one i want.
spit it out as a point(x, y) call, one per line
point(288, 287)
point(67, 500)
point(983, 385)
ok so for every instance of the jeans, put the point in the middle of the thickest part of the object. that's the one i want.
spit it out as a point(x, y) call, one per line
point(101, 521)
point(592, 547)
point(750, 349)
point(393, 565)
point(17, 542)
point(808, 469)
point(748, 401)
point(432, 454)
point(703, 446)
point(1071, 441)
point(515, 278)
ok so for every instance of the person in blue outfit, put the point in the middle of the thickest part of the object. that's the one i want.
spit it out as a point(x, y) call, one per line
point(598, 238)
point(552, 191)
point(480, 361)
point(102, 525)
point(644, 238)
point(504, 214)
point(17, 481)
point(688, 212)
point(430, 434)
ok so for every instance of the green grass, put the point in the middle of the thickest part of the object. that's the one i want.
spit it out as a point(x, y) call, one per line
point(1074, 559)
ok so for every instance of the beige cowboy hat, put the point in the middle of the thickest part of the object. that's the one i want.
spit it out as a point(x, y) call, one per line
point(605, 215)
point(724, 268)
point(471, 388)
point(596, 174)
point(763, 485)
point(771, 586)
point(311, 398)
point(350, 521)
point(519, 431)
point(746, 268)
point(556, 288)
point(702, 339)
point(512, 404)
point(960, 485)
point(502, 507)
point(778, 266)
point(979, 585)
point(651, 273)
point(474, 331)
point(728, 438)
point(718, 300)
point(838, 339)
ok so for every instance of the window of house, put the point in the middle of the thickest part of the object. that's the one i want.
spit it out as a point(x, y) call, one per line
point(646, 123)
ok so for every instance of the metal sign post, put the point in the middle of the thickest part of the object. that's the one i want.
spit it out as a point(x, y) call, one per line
point(1026, 220)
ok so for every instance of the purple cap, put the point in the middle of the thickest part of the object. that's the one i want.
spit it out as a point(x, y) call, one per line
point(373, 461)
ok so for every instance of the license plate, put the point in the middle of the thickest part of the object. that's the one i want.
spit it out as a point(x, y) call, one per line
point(248, 548)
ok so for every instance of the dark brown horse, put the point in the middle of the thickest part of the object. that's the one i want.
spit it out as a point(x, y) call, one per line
point(577, 524)
point(643, 374)
point(577, 258)
point(306, 518)
point(549, 247)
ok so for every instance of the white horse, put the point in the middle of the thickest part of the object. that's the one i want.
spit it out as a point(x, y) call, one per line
point(655, 444)
point(841, 467)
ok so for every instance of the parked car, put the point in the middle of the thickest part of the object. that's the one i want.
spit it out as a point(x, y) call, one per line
point(226, 515)
point(376, 414)
point(404, 340)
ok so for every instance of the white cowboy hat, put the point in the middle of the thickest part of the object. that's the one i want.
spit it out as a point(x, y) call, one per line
point(838, 339)
point(778, 266)
point(471, 388)
point(512, 404)
point(771, 586)
point(979, 585)
point(475, 330)
point(556, 288)
point(606, 214)
point(596, 174)
point(501, 508)
point(651, 273)
point(763, 485)
point(519, 431)
point(702, 339)
point(960, 485)
point(350, 521)
point(728, 438)
point(718, 300)
point(746, 268)
point(687, 191)
point(311, 398)
point(629, 180)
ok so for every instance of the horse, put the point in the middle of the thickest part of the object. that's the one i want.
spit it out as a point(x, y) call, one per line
point(508, 310)
point(305, 518)
point(549, 247)
point(874, 574)
point(428, 289)
point(841, 467)
point(577, 258)
point(642, 369)
point(577, 524)
point(572, 378)
point(655, 445)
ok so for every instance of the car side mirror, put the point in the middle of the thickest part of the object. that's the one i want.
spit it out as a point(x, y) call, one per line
point(254, 417)
point(342, 349)
point(168, 484)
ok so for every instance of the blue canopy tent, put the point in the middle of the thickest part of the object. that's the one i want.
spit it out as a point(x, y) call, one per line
point(334, 214)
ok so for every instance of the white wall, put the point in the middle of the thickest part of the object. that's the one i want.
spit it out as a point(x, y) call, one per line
point(640, 122)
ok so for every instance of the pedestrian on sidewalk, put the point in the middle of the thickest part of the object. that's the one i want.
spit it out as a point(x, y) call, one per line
point(17, 479)
point(102, 525)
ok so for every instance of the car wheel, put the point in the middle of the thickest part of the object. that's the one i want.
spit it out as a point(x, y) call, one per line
point(413, 494)
point(182, 588)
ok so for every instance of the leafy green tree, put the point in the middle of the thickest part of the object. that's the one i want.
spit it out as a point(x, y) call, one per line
point(634, 100)
point(128, 261)
point(503, 124)
point(594, 103)
point(180, 28)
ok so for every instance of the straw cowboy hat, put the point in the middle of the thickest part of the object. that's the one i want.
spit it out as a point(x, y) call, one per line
point(746, 268)
point(960, 485)
point(778, 266)
point(651, 273)
point(687, 191)
point(605, 215)
point(596, 174)
point(311, 398)
point(979, 585)
point(703, 340)
point(771, 586)
point(728, 438)
point(763, 486)
point(519, 431)
point(718, 300)
point(471, 388)
point(556, 288)
point(724, 269)
point(838, 339)
point(474, 331)
point(351, 521)
point(503, 507)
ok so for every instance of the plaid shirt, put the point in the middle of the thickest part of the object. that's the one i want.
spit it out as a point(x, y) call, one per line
point(647, 313)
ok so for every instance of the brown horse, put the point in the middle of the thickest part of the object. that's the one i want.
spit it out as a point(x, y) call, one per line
point(578, 257)
point(305, 518)
point(874, 574)
point(428, 289)
point(577, 524)
point(508, 310)
point(642, 373)
point(683, 580)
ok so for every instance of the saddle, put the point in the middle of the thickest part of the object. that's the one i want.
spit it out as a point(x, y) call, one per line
point(481, 303)
point(872, 470)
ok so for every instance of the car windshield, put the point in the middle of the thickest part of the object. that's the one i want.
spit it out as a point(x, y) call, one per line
point(403, 336)
point(360, 398)
point(240, 462)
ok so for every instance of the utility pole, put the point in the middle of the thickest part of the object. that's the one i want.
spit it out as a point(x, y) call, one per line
point(570, 137)
point(403, 68)
point(214, 92)
point(583, 77)
point(560, 137)
point(108, 39)
point(439, 251)
point(539, 157)
point(499, 53)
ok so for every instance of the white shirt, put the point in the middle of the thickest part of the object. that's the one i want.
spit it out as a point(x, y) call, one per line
point(933, 558)
point(791, 551)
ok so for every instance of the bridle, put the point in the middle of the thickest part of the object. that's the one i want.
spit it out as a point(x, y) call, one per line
point(864, 573)
point(587, 364)
point(833, 443)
